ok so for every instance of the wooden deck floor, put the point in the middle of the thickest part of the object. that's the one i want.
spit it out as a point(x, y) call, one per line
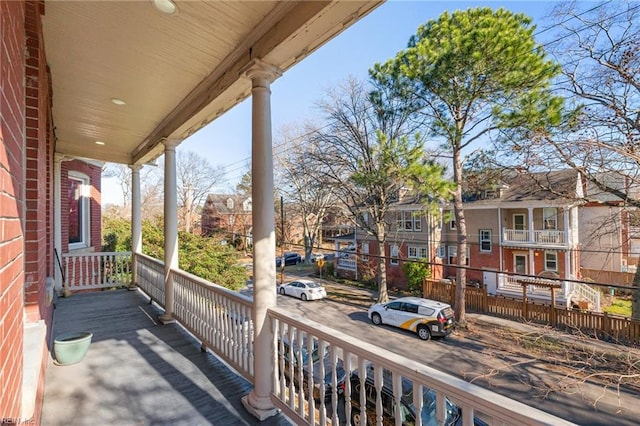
point(138, 372)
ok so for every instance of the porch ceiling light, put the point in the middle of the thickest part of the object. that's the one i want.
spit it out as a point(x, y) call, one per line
point(99, 143)
point(118, 101)
point(165, 6)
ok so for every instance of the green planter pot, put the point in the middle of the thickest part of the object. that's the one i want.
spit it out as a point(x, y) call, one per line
point(70, 348)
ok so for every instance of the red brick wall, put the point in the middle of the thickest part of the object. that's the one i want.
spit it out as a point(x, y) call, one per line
point(94, 173)
point(37, 247)
point(12, 132)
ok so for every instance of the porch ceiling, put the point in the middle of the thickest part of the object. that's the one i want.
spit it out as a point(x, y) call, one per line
point(176, 73)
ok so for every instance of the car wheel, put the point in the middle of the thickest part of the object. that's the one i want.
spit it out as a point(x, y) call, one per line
point(423, 332)
point(303, 296)
point(376, 318)
point(356, 418)
point(281, 290)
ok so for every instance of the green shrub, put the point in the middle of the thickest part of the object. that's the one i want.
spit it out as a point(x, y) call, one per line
point(205, 257)
point(415, 272)
point(116, 234)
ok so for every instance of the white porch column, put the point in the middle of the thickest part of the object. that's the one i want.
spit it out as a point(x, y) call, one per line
point(170, 227)
point(136, 219)
point(567, 227)
point(57, 220)
point(530, 218)
point(258, 402)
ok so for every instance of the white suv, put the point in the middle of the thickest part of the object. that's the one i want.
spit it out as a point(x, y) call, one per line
point(423, 316)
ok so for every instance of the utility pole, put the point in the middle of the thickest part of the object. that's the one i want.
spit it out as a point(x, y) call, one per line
point(282, 240)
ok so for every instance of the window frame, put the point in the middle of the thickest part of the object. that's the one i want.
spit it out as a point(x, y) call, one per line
point(547, 260)
point(419, 252)
point(85, 210)
point(485, 239)
point(393, 259)
point(364, 250)
point(549, 218)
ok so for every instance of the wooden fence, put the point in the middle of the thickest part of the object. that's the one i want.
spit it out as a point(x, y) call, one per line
point(600, 325)
point(608, 277)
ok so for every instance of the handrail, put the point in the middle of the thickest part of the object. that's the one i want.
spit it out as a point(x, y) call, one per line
point(220, 318)
point(85, 271)
point(471, 399)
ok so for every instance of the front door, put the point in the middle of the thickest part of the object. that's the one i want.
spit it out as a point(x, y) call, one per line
point(520, 264)
point(520, 227)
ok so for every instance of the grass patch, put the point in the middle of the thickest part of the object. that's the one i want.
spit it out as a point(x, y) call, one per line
point(619, 307)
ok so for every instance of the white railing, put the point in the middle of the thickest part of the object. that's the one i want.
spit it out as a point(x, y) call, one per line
point(517, 235)
point(512, 283)
point(150, 277)
point(580, 291)
point(88, 271)
point(218, 317)
point(346, 263)
point(549, 236)
point(451, 397)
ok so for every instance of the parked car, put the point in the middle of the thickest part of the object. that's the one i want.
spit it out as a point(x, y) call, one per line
point(423, 316)
point(289, 259)
point(407, 408)
point(297, 357)
point(303, 289)
point(316, 256)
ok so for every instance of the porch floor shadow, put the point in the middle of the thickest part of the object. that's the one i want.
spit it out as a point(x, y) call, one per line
point(139, 372)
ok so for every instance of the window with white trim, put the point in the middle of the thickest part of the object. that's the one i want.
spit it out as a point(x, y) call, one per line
point(550, 218)
point(452, 221)
point(551, 260)
point(365, 251)
point(453, 254)
point(442, 252)
point(485, 240)
point(78, 203)
point(394, 255)
point(416, 252)
point(408, 221)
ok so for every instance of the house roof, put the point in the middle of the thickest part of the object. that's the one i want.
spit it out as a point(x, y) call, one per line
point(219, 203)
point(552, 188)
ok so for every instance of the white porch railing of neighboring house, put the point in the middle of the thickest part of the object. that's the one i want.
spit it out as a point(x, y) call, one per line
point(547, 236)
point(222, 320)
point(346, 263)
point(580, 291)
point(355, 355)
point(570, 291)
point(89, 271)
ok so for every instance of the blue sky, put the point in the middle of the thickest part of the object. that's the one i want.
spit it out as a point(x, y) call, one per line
point(375, 38)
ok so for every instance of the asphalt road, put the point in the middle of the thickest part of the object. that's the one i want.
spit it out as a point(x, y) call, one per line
point(519, 378)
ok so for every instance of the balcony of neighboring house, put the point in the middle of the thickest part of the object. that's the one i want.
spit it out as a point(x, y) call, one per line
point(201, 367)
point(544, 227)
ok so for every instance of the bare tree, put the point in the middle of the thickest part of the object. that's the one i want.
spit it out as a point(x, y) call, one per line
point(365, 154)
point(122, 173)
point(308, 197)
point(599, 50)
point(196, 177)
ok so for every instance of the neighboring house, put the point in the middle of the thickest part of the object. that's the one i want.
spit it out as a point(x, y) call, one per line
point(549, 225)
point(409, 238)
point(519, 227)
point(230, 215)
